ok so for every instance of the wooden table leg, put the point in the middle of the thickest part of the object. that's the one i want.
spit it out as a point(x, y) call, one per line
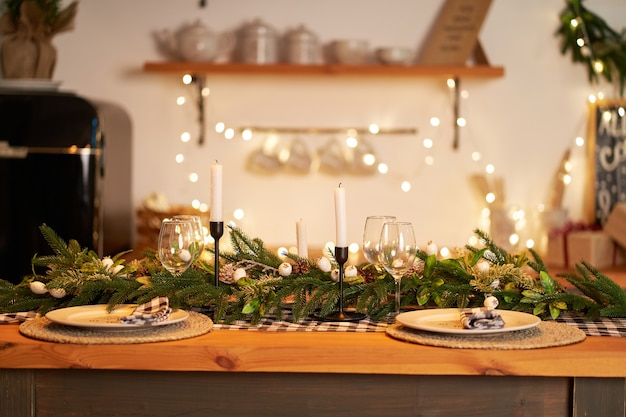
point(17, 393)
point(599, 397)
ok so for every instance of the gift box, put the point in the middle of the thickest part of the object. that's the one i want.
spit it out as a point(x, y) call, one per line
point(557, 254)
point(595, 247)
point(555, 251)
point(615, 225)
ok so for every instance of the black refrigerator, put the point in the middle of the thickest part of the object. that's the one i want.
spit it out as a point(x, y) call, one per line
point(51, 171)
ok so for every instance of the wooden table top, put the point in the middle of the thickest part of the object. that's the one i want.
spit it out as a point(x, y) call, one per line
point(317, 352)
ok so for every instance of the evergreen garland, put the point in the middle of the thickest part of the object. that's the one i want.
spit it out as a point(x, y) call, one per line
point(601, 44)
point(519, 282)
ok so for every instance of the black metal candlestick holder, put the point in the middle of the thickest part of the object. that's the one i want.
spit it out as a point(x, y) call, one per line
point(217, 230)
point(341, 256)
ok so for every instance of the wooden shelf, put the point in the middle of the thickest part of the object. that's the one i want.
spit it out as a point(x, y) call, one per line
point(480, 71)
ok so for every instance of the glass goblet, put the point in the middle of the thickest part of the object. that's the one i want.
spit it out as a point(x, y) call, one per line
point(371, 237)
point(176, 239)
point(397, 252)
point(198, 231)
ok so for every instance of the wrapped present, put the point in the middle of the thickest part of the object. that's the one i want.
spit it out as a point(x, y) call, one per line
point(557, 251)
point(615, 225)
point(595, 247)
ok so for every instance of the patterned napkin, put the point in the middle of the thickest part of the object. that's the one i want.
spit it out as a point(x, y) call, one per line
point(154, 311)
point(7, 318)
point(481, 318)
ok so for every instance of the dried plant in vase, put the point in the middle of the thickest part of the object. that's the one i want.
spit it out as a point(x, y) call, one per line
point(28, 26)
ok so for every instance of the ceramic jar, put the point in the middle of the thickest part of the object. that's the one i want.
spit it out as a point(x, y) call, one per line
point(259, 43)
point(195, 42)
point(302, 47)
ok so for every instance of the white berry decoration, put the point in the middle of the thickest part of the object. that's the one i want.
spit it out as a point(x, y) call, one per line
point(285, 269)
point(57, 292)
point(38, 287)
point(185, 255)
point(239, 273)
point(107, 262)
point(482, 266)
point(323, 263)
point(351, 271)
point(431, 248)
point(334, 275)
point(491, 302)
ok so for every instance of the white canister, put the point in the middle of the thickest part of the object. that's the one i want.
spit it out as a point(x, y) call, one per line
point(259, 43)
point(302, 47)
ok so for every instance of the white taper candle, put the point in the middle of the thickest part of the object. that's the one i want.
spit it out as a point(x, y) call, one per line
point(303, 249)
point(340, 217)
point(216, 193)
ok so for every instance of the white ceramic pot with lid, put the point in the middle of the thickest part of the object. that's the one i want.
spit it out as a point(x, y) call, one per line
point(259, 43)
point(302, 47)
point(195, 42)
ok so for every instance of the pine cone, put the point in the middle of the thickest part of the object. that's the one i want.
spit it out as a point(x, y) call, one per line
point(227, 272)
point(301, 268)
point(368, 274)
point(417, 268)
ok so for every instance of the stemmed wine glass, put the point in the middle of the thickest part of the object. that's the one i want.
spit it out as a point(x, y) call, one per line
point(397, 252)
point(176, 241)
point(198, 233)
point(371, 237)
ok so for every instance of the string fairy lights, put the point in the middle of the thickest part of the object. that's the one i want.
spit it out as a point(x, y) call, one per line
point(353, 137)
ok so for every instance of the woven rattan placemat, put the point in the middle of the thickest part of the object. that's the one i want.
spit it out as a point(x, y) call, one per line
point(43, 329)
point(546, 334)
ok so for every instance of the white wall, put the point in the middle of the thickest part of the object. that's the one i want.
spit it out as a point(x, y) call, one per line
point(522, 123)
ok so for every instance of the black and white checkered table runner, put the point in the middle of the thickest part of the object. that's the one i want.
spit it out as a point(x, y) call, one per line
point(601, 327)
point(615, 327)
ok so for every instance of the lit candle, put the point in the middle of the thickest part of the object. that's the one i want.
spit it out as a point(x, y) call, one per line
point(340, 217)
point(216, 193)
point(303, 250)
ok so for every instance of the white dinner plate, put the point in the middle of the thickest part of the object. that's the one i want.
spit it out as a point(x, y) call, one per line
point(41, 84)
point(97, 316)
point(448, 320)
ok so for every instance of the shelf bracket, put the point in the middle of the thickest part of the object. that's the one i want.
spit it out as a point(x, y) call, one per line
point(200, 84)
point(456, 112)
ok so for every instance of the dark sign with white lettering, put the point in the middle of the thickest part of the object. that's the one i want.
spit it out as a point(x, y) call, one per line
point(607, 159)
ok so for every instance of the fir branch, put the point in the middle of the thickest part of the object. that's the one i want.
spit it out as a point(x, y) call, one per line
point(495, 254)
point(374, 298)
point(56, 243)
point(253, 249)
point(601, 42)
point(537, 263)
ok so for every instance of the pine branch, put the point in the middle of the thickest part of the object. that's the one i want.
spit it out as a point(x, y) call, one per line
point(58, 245)
point(496, 254)
point(601, 43)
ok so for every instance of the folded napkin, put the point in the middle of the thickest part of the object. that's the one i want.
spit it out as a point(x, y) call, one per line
point(481, 318)
point(6, 318)
point(154, 311)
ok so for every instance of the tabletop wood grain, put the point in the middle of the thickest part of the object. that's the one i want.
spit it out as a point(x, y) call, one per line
point(316, 352)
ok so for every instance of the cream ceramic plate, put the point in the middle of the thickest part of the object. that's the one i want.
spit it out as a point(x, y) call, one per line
point(96, 316)
point(29, 84)
point(448, 320)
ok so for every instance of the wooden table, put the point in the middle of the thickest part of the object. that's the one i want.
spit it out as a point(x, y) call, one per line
point(246, 373)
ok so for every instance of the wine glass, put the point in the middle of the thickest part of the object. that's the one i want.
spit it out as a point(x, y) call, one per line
point(176, 239)
point(198, 232)
point(371, 237)
point(397, 252)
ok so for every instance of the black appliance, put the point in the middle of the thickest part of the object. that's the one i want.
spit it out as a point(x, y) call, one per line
point(51, 171)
